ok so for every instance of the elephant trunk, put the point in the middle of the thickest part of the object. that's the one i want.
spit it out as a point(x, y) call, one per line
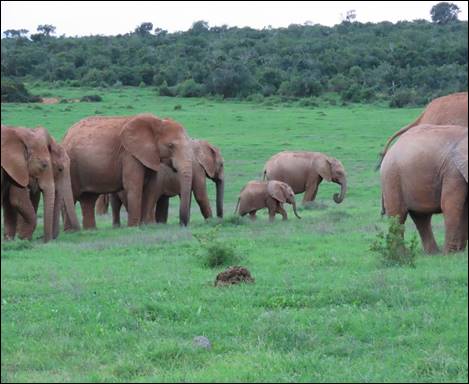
point(58, 203)
point(49, 201)
point(220, 185)
point(68, 202)
point(294, 210)
point(185, 180)
point(339, 198)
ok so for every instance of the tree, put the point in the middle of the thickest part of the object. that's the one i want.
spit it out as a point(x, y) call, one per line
point(199, 27)
point(444, 13)
point(15, 33)
point(46, 29)
point(144, 29)
point(350, 16)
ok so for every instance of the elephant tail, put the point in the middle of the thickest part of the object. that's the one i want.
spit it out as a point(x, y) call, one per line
point(391, 139)
point(383, 210)
point(264, 175)
point(237, 205)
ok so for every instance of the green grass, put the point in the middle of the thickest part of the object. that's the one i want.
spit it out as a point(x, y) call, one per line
point(125, 304)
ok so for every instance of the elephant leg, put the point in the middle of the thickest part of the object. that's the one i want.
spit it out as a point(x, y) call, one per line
point(152, 192)
point(282, 211)
point(199, 188)
point(20, 201)
point(272, 207)
point(87, 203)
point(133, 178)
point(464, 228)
point(9, 219)
point(252, 215)
point(454, 208)
point(423, 223)
point(161, 211)
point(311, 191)
point(116, 204)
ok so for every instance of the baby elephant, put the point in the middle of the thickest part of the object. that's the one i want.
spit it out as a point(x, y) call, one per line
point(261, 194)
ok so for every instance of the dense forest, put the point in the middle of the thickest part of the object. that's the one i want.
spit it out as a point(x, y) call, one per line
point(403, 63)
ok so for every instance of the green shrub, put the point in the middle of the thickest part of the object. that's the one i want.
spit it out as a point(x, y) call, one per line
point(91, 98)
point(164, 90)
point(214, 252)
point(14, 91)
point(392, 247)
point(402, 98)
point(189, 88)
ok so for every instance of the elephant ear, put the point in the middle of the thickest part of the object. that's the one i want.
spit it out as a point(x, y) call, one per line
point(209, 158)
point(323, 167)
point(276, 190)
point(139, 136)
point(14, 156)
point(460, 157)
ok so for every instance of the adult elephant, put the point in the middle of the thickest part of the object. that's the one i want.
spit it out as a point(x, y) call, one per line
point(26, 161)
point(424, 173)
point(110, 154)
point(304, 171)
point(207, 163)
point(445, 110)
point(63, 189)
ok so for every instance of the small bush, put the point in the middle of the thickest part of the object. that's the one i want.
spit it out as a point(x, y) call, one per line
point(402, 98)
point(91, 98)
point(392, 247)
point(15, 92)
point(177, 107)
point(213, 252)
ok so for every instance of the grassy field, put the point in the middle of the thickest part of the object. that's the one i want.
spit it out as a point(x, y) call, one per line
point(125, 304)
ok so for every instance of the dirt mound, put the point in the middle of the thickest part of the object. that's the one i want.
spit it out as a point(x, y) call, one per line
point(233, 275)
point(49, 100)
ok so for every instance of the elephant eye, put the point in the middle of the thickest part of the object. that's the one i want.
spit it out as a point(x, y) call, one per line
point(171, 145)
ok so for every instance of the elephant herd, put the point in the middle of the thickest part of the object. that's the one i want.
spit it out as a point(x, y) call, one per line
point(141, 161)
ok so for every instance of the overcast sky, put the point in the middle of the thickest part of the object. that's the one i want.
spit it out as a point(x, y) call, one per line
point(79, 18)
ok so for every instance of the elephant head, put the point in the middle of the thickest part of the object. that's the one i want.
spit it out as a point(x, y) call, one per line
point(209, 157)
point(332, 169)
point(283, 193)
point(63, 187)
point(151, 141)
point(26, 159)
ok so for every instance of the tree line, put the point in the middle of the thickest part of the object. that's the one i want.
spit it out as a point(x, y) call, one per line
point(404, 63)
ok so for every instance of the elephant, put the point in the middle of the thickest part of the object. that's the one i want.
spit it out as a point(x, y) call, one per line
point(207, 163)
point(26, 162)
point(110, 154)
point(272, 194)
point(446, 110)
point(425, 173)
point(63, 189)
point(304, 171)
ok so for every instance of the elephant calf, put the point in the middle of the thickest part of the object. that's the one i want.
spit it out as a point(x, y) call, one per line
point(266, 194)
point(304, 171)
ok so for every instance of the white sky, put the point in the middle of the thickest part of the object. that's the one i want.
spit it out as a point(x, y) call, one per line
point(79, 18)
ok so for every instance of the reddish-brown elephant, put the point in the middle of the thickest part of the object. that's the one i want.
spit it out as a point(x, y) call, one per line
point(207, 163)
point(446, 110)
point(110, 154)
point(26, 162)
point(63, 190)
point(272, 195)
point(303, 171)
point(425, 172)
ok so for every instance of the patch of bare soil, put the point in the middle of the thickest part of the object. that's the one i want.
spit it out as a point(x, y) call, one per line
point(234, 275)
point(49, 100)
